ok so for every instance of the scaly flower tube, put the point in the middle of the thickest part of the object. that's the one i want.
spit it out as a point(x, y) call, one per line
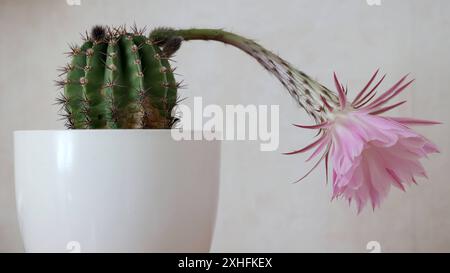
point(368, 152)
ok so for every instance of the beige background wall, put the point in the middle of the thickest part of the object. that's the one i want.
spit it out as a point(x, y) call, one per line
point(259, 209)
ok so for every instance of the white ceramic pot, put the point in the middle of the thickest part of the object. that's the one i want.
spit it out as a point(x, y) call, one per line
point(115, 191)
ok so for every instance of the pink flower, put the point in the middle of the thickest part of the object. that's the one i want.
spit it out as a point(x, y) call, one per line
point(369, 152)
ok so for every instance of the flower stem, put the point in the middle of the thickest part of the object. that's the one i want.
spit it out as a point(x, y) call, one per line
point(308, 93)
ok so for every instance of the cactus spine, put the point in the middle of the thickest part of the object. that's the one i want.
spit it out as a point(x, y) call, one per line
point(118, 79)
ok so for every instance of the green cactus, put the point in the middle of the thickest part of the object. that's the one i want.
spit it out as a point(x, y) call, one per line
point(119, 79)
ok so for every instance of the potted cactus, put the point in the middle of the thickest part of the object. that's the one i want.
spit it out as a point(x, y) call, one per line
point(118, 181)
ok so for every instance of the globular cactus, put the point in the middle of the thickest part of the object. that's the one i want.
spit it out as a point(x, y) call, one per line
point(119, 79)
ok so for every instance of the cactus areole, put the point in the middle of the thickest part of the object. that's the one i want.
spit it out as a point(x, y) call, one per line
point(119, 79)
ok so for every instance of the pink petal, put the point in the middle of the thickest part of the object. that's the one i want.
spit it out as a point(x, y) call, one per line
point(342, 97)
point(326, 168)
point(318, 150)
point(313, 168)
point(392, 89)
point(307, 148)
point(414, 121)
point(377, 103)
point(317, 126)
point(387, 108)
point(365, 87)
point(362, 103)
point(359, 102)
point(396, 179)
point(326, 104)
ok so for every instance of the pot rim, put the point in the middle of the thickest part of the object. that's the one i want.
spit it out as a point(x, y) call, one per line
point(85, 131)
point(122, 132)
